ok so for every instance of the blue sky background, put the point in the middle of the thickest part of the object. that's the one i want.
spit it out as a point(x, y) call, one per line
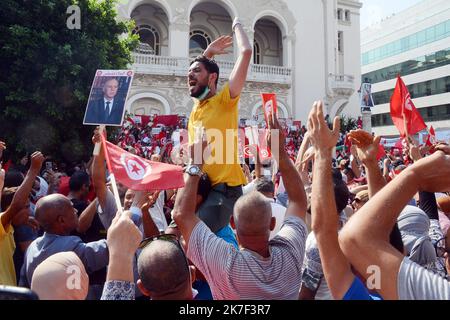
point(374, 11)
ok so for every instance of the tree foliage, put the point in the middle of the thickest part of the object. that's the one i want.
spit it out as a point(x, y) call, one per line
point(46, 70)
point(348, 123)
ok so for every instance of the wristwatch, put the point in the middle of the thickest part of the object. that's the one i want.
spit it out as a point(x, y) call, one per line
point(194, 170)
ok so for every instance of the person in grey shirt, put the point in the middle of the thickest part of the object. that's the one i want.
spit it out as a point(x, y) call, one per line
point(365, 238)
point(58, 218)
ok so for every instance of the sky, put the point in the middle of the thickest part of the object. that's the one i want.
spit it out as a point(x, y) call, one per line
point(374, 11)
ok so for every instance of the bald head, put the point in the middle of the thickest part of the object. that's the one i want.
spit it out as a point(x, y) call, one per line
point(252, 214)
point(163, 269)
point(55, 213)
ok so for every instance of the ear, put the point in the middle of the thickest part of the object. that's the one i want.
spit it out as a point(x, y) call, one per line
point(192, 270)
point(141, 287)
point(273, 221)
point(212, 79)
point(232, 224)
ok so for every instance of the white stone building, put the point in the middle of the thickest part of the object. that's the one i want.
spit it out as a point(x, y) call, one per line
point(303, 51)
point(414, 43)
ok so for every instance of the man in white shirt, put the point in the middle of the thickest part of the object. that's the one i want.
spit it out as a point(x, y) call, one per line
point(267, 188)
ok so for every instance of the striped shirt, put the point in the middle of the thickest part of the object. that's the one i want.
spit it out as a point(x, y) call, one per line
point(243, 274)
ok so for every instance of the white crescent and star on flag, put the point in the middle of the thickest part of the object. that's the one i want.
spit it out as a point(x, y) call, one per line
point(135, 168)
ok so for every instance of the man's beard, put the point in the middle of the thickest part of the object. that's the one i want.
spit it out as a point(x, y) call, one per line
point(199, 92)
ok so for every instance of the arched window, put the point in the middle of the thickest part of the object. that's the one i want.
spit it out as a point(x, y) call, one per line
point(198, 42)
point(149, 39)
point(256, 53)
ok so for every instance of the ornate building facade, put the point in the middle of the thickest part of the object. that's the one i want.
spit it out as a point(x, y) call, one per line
point(303, 51)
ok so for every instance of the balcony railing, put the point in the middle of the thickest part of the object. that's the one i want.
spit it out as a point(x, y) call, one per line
point(178, 66)
point(341, 81)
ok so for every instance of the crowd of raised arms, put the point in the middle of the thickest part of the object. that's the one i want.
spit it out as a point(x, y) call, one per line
point(308, 222)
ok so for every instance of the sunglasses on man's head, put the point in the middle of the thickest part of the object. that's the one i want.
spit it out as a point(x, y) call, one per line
point(165, 237)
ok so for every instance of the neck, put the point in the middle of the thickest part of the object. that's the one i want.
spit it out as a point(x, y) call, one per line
point(258, 244)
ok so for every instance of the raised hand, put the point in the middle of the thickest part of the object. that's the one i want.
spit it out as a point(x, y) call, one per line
point(273, 128)
point(148, 201)
point(366, 145)
point(96, 138)
point(123, 236)
point(322, 138)
point(2, 147)
point(218, 46)
point(37, 159)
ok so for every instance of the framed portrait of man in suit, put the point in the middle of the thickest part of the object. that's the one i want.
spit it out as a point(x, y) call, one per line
point(109, 92)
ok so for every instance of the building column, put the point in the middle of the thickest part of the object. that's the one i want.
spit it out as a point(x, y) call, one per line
point(179, 39)
point(367, 120)
point(288, 50)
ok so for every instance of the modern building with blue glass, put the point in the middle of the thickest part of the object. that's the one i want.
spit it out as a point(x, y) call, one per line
point(415, 44)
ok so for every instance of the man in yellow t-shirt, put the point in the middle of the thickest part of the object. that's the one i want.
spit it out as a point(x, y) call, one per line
point(217, 113)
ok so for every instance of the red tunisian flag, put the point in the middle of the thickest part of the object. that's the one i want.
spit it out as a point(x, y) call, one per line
point(269, 105)
point(431, 137)
point(403, 110)
point(137, 173)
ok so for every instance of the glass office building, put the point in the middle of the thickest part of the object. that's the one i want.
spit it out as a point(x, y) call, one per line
point(414, 44)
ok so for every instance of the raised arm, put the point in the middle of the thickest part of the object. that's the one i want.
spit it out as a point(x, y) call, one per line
point(184, 208)
point(291, 178)
point(367, 150)
point(20, 198)
point(123, 239)
point(239, 73)
point(99, 172)
point(87, 216)
point(366, 244)
point(325, 219)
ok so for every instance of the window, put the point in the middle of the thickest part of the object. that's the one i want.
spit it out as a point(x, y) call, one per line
point(149, 39)
point(341, 42)
point(339, 14)
point(426, 62)
point(429, 114)
point(418, 39)
point(256, 53)
point(198, 42)
point(347, 15)
point(417, 90)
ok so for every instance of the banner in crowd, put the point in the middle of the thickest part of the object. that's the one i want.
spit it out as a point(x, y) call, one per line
point(365, 96)
point(269, 105)
point(106, 103)
point(137, 173)
point(403, 111)
point(431, 139)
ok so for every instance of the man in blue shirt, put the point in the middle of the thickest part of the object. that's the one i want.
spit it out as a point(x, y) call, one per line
point(59, 218)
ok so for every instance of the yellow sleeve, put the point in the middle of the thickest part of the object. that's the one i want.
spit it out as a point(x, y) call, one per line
point(226, 99)
point(4, 232)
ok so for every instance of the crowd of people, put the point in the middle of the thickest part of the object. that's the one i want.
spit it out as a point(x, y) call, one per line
point(309, 222)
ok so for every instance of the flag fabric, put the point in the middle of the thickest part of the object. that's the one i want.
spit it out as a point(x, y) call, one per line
point(381, 152)
point(140, 174)
point(167, 120)
point(403, 110)
point(431, 137)
point(269, 105)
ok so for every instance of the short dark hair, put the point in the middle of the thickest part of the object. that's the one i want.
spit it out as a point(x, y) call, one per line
point(209, 64)
point(77, 180)
point(264, 185)
point(13, 178)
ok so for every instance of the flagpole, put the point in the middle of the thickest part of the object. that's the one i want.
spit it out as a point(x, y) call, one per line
point(112, 177)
